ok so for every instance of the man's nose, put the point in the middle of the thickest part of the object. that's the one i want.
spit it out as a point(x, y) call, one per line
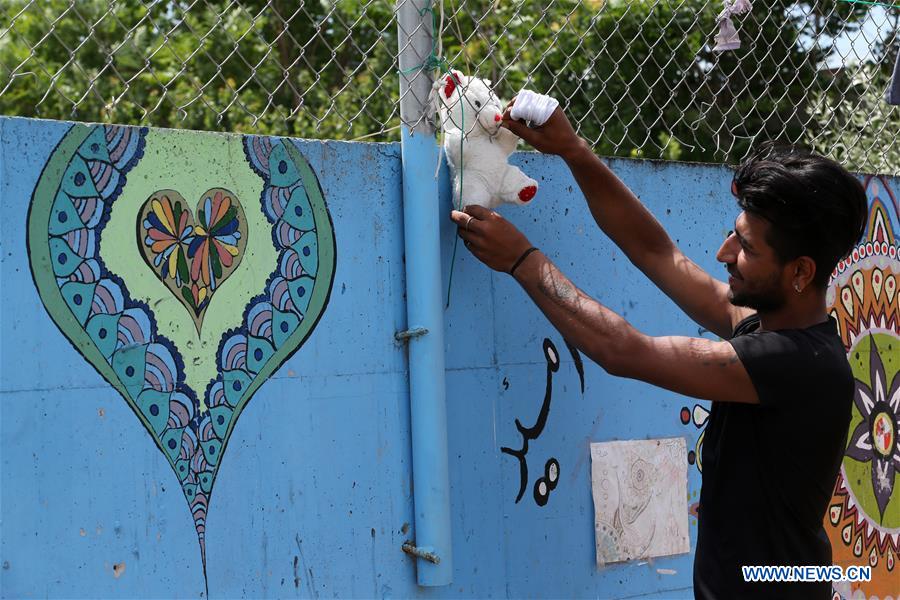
point(728, 250)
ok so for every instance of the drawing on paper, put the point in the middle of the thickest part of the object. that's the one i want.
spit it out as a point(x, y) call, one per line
point(640, 499)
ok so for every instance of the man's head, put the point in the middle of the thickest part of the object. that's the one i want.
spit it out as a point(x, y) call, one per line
point(802, 214)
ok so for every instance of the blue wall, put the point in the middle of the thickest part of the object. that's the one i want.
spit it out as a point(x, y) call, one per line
point(314, 494)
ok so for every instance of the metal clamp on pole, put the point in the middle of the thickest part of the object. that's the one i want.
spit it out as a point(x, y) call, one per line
point(410, 333)
point(423, 553)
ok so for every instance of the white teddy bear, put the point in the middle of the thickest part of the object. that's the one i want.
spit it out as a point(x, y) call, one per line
point(480, 167)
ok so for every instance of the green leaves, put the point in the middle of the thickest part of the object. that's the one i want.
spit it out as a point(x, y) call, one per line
point(637, 77)
point(858, 130)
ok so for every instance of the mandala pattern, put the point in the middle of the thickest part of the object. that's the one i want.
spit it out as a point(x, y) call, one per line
point(863, 520)
point(874, 439)
point(119, 336)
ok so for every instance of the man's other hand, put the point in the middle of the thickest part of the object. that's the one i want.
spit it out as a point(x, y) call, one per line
point(492, 239)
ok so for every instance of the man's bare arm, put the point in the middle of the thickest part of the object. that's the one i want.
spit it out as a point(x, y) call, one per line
point(695, 367)
point(636, 231)
point(628, 223)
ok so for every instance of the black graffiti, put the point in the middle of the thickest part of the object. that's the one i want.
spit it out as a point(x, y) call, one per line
point(579, 366)
point(532, 433)
point(546, 484)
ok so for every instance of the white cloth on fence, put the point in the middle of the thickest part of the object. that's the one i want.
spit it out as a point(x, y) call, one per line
point(533, 107)
point(728, 38)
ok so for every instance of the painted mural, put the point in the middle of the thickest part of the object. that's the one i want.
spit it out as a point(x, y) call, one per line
point(193, 258)
point(863, 520)
point(547, 482)
point(698, 416)
point(185, 281)
point(542, 487)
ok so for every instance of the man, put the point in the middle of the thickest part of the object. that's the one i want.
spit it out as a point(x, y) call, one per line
point(781, 387)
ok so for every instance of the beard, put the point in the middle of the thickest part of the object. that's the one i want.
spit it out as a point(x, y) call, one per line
point(761, 298)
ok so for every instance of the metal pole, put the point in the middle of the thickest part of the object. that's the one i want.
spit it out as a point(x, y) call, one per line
point(427, 391)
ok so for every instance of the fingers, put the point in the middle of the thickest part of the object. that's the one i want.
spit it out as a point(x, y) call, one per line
point(531, 135)
point(517, 127)
point(459, 217)
point(462, 220)
point(479, 212)
point(466, 223)
point(467, 236)
point(471, 247)
point(473, 224)
point(558, 115)
point(469, 240)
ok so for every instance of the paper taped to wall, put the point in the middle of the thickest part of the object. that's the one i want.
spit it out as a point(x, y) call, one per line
point(640, 499)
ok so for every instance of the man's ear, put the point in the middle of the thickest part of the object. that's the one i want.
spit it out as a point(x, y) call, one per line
point(804, 272)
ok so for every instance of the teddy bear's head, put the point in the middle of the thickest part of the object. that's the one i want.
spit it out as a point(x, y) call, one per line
point(468, 102)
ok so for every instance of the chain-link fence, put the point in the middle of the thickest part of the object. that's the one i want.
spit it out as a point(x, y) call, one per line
point(637, 77)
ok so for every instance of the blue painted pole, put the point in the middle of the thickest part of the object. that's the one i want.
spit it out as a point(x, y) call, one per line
point(428, 410)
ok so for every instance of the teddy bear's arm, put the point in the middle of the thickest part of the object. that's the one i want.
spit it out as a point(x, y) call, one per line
point(452, 139)
point(507, 140)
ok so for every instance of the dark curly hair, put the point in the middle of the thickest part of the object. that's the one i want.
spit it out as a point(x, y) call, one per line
point(816, 208)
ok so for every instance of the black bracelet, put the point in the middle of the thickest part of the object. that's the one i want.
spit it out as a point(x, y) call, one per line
point(521, 258)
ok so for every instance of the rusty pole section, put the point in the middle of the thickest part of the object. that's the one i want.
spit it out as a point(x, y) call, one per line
point(424, 309)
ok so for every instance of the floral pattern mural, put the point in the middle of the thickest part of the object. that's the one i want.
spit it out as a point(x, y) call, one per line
point(109, 285)
point(193, 258)
point(863, 520)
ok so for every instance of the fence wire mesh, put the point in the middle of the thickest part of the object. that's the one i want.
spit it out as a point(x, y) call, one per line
point(637, 77)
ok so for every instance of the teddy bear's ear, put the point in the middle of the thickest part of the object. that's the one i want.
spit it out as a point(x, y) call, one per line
point(451, 81)
point(488, 82)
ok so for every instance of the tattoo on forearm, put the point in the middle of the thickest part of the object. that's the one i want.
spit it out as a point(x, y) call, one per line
point(730, 361)
point(558, 289)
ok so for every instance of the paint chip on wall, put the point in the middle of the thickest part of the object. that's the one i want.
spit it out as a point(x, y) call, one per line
point(640, 499)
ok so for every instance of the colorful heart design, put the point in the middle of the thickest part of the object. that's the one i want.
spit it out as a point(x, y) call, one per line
point(120, 335)
point(193, 259)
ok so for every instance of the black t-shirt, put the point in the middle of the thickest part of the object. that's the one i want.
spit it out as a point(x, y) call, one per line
point(769, 469)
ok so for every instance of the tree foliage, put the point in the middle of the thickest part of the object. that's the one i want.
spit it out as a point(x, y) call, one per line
point(639, 77)
point(860, 128)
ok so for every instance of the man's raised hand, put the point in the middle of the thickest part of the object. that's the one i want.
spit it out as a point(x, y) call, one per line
point(556, 136)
